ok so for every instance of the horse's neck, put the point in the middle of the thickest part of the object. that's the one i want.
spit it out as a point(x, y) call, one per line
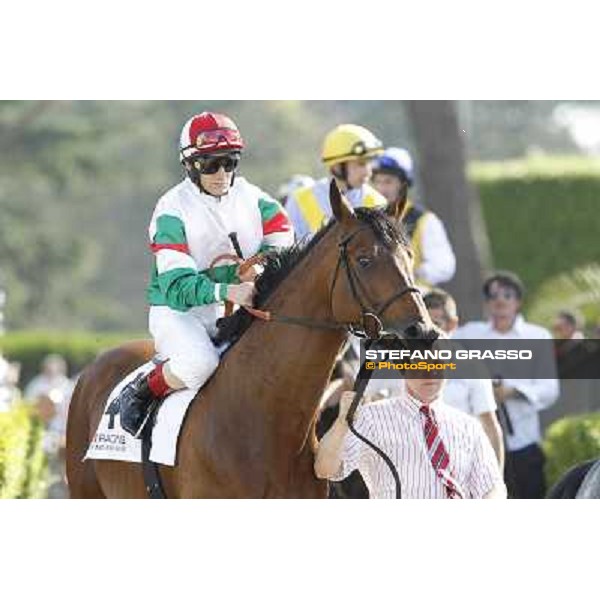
point(297, 360)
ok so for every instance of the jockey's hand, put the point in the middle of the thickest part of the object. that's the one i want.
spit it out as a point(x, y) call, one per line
point(249, 274)
point(345, 402)
point(241, 293)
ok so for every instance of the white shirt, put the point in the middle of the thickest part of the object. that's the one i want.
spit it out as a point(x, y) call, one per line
point(438, 261)
point(472, 396)
point(208, 221)
point(396, 426)
point(536, 394)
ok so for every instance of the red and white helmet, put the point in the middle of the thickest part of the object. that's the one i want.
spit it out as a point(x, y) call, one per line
point(208, 133)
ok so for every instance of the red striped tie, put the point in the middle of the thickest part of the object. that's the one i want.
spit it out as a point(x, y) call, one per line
point(438, 454)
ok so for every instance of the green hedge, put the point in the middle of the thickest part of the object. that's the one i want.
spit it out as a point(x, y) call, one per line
point(22, 459)
point(542, 214)
point(78, 348)
point(571, 441)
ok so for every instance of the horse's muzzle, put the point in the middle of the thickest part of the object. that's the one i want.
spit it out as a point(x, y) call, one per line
point(416, 330)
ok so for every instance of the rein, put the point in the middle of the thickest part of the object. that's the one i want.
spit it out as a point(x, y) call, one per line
point(360, 385)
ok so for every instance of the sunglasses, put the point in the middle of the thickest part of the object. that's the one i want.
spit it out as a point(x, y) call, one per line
point(211, 165)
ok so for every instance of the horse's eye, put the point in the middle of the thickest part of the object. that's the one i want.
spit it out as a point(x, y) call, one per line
point(364, 261)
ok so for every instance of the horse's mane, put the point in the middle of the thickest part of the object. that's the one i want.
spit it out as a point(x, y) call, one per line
point(279, 265)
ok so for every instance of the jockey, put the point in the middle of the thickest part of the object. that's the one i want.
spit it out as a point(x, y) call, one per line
point(393, 175)
point(347, 152)
point(213, 211)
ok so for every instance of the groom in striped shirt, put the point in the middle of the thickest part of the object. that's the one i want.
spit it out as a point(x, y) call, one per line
point(439, 452)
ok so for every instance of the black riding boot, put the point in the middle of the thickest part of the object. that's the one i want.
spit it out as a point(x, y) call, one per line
point(136, 402)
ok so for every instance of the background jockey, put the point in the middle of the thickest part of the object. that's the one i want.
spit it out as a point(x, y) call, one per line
point(295, 182)
point(435, 263)
point(347, 152)
point(192, 225)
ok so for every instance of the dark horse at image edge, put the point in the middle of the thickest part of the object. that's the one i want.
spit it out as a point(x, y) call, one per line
point(581, 481)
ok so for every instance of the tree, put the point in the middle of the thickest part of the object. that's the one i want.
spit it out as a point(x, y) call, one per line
point(441, 150)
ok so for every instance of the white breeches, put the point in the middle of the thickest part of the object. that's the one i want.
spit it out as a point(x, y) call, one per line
point(182, 338)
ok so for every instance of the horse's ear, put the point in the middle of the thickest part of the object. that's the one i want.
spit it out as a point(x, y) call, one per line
point(340, 207)
point(395, 209)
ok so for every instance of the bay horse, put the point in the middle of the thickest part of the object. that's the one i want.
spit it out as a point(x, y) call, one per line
point(249, 433)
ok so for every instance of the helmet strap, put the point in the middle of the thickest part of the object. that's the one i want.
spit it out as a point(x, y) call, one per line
point(340, 172)
point(193, 173)
point(403, 191)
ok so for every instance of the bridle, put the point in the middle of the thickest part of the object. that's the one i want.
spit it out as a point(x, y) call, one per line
point(374, 312)
point(369, 311)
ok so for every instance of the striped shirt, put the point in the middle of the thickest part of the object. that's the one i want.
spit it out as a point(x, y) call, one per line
point(396, 426)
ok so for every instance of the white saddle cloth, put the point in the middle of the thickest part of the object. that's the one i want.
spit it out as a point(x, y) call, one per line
point(111, 442)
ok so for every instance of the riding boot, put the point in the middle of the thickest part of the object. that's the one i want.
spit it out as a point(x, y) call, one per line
point(139, 398)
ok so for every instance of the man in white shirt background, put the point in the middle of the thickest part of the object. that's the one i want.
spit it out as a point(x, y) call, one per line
point(473, 396)
point(520, 400)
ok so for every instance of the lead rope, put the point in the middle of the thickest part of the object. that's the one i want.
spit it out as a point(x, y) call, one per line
point(360, 385)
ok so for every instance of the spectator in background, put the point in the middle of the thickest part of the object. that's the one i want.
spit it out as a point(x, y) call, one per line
point(473, 396)
point(347, 152)
point(435, 263)
point(522, 399)
point(5, 402)
point(571, 353)
point(52, 376)
point(568, 325)
point(295, 182)
point(10, 389)
point(50, 393)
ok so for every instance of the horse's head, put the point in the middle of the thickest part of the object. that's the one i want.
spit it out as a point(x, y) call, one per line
point(373, 282)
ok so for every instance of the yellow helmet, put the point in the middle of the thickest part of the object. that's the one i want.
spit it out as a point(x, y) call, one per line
point(348, 142)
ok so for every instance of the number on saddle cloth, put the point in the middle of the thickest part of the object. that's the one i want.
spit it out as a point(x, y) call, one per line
point(114, 408)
